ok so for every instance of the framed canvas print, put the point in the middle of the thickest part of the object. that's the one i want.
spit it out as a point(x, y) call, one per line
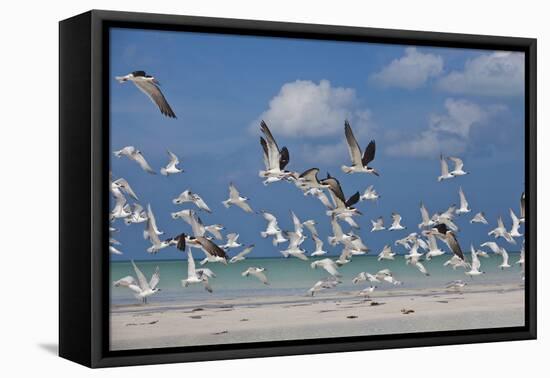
point(233, 188)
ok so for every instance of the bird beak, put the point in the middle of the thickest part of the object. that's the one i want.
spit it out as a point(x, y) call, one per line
point(122, 79)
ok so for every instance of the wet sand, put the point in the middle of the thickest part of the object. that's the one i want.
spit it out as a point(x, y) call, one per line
point(327, 314)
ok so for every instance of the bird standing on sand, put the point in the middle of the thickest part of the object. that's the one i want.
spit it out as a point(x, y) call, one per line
point(366, 292)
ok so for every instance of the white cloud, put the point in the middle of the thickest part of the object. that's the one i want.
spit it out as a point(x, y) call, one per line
point(410, 71)
point(460, 117)
point(305, 109)
point(496, 74)
point(447, 133)
point(428, 144)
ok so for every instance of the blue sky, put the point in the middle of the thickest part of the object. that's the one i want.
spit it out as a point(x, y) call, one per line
point(416, 103)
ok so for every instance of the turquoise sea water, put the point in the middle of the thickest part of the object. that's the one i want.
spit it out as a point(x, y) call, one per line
point(294, 277)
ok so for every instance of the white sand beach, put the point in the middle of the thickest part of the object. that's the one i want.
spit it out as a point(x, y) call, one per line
point(328, 314)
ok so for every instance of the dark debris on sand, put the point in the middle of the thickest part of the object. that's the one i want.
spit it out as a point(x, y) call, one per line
point(221, 332)
point(146, 323)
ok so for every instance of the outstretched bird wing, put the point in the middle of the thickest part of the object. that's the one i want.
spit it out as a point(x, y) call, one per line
point(353, 146)
point(336, 191)
point(463, 201)
point(233, 192)
point(181, 242)
point(522, 206)
point(211, 248)
point(369, 153)
point(284, 159)
point(458, 163)
point(143, 284)
point(273, 153)
point(453, 244)
point(173, 159)
point(190, 264)
point(140, 159)
point(155, 279)
point(245, 251)
point(444, 166)
point(154, 93)
point(353, 199)
point(424, 213)
point(263, 143)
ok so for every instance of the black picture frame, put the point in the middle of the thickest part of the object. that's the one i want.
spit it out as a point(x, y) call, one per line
point(84, 201)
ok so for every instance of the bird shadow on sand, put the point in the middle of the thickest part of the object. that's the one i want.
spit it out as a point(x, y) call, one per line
point(51, 348)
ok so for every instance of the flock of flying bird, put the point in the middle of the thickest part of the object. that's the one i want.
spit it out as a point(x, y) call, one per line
point(420, 247)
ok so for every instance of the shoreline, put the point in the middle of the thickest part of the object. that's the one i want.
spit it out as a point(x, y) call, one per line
point(328, 314)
